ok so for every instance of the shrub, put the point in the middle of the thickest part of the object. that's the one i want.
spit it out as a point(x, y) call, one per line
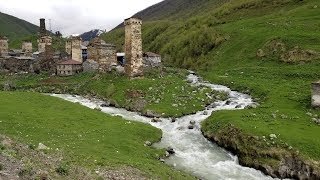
point(63, 169)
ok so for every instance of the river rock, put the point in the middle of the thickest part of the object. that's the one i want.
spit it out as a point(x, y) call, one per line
point(162, 160)
point(228, 102)
point(170, 150)
point(192, 122)
point(150, 113)
point(104, 105)
point(205, 113)
point(156, 120)
point(173, 120)
point(97, 108)
point(147, 143)
point(191, 126)
point(238, 106)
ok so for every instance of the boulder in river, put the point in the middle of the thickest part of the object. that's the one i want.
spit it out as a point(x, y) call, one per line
point(156, 120)
point(173, 120)
point(192, 122)
point(205, 113)
point(170, 150)
point(191, 126)
point(147, 143)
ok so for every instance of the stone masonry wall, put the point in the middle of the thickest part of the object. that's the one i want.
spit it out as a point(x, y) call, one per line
point(315, 96)
point(68, 47)
point(43, 42)
point(27, 48)
point(4, 47)
point(76, 49)
point(133, 47)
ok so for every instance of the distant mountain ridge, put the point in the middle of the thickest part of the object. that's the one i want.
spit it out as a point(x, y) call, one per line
point(87, 36)
point(15, 28)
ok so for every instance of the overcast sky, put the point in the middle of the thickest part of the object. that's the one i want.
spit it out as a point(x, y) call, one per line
point(75, 16)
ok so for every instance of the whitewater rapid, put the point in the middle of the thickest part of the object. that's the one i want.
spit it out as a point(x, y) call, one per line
point(193, 152)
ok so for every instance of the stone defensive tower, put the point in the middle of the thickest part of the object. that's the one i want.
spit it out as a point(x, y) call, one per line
point(68, 47)
point(133, 47)
point(42, 30)
point(76, 50)
point(4, 47)
point(44, 39)
point(27, 48)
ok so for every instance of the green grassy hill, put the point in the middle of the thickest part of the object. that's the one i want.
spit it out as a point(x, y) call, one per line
point(268, 48)
point(14, 28)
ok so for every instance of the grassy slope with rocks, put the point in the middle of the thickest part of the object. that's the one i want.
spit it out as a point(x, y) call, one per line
point(222, 44)
point(71, 130)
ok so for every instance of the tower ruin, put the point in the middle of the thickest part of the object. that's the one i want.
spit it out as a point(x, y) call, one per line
point(42, 30)
point(133, 47)
point(76, 50)
point(68, 47)
point(4, 47)
point(27, 48)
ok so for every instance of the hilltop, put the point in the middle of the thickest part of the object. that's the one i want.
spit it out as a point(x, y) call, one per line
point(14, 28)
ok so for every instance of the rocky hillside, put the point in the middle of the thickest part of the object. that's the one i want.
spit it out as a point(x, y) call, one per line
point(14, 28)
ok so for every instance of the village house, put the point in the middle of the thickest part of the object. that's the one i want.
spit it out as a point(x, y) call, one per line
point(69, 67)
point(151, 60)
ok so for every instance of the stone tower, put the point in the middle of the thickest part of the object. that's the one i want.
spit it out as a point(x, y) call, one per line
point(27, 48)
point(76, 50)
point(68, 47)
point(44, 39)
point(133, 47)
point(42, 30)
point(4, 47)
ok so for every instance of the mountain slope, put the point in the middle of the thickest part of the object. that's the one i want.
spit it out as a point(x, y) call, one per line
point(14, 28)
point(268, 48)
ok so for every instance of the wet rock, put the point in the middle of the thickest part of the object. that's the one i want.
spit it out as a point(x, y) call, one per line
point(191, 126)
point(173, 120)
point(104, 105)
point(192, 122)
point(238, 106)
point(205, 113)
point(273, 136)
point(170, 150)
point(97, 108)
point(113, 103)
point(228, 102)
point(156, 120)
point(150, 113)
point(162, 160)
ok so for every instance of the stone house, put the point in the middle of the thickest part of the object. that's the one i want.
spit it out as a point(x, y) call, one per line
point(151, 60)
point(103, 53)
point(90, 66)
point(69, 67)
point(17, 64)
point(27, 48)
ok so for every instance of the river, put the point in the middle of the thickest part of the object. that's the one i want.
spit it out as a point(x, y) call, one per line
point(193, 152)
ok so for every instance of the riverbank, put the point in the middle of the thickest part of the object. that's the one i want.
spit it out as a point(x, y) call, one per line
point(158, 94)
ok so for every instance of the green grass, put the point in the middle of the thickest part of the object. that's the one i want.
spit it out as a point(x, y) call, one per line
point(241, 28)
point(87, 137)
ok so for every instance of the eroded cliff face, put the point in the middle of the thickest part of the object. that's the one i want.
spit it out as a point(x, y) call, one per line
point(272, 157)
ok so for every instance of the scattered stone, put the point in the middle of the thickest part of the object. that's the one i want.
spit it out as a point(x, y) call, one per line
point(260, 53)
point(191, 126)
point(147, 143)
point(162, 160)
point(309, 114)
point(42, 147)
point(192, 122)
point(315, 120)
point(273, 136)
point(173, 120)
point(205, 113)
point(274, 116)
point(284, 116)
point(228, 102)
point(150, 113)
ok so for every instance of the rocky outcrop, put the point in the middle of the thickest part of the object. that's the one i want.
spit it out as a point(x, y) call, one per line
point(266, 154)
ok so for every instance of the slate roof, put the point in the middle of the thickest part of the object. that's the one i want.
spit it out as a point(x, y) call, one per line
point(70, 62)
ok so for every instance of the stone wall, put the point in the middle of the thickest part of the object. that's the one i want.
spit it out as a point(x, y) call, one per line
point(133, 47)
point(27, 48)
point(76, 52)
point(4, 46)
